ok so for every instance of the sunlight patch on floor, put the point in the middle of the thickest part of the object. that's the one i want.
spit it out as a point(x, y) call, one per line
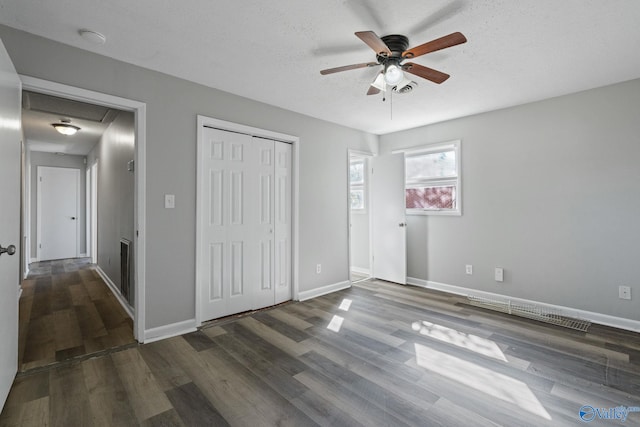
point(336, 323)
point(345, 304)
point(482, 379)
point(470, 342)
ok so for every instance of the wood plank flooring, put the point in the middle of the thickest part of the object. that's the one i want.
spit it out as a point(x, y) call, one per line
point(66, 311)
point(376, 354)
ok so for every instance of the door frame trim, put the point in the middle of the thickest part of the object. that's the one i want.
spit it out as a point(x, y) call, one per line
point(368, 155)
point(39, 169)
point(203, 121)
point(140, 112)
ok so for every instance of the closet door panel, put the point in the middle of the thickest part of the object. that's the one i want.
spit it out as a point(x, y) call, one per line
point(282, 216)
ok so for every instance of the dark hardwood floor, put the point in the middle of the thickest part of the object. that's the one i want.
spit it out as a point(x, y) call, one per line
point(67, 311)
point(376, 354)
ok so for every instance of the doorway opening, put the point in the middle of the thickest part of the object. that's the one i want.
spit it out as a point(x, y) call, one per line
point(359, 206)
point(122, 114)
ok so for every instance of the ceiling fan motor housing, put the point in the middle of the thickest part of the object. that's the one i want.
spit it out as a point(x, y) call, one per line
point(397, 44)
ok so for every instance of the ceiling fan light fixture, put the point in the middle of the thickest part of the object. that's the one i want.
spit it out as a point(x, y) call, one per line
point(393, 75)
point(379, 82)
point(65, 127)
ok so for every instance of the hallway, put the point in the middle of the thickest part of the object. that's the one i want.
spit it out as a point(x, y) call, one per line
point(66, 312)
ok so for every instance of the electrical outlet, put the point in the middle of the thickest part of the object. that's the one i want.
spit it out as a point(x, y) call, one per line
point(468, 269)
point(318, 268)
point(499, 274)
point(624, 292)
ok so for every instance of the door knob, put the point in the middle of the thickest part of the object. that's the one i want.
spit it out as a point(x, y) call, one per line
point(402, 224)
point(10, 250)
point(73, 217)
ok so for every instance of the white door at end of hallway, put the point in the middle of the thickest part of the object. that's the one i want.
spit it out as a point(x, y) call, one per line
point(57, 212)
point(10, 147)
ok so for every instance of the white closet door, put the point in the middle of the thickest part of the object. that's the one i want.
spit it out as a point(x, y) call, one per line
point(225, 253)
point(282, 222)
point(245, 243)
point(264, 223)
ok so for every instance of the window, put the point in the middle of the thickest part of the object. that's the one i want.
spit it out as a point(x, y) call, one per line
point(432, 179)
point(357, 171)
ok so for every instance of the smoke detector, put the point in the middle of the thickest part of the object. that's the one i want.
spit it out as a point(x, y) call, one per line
point(92, 37)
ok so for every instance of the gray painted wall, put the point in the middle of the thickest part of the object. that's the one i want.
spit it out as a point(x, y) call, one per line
point(55, 160)
point(172, 107)
point(551, 193)
point(115, 193)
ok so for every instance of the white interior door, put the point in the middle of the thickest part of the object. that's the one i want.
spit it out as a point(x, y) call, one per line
point(10, 135)
point(245, 242)
point(58, 209)
point(225, 251)
point(282, 216)
point(263, 238)
point(388, 218)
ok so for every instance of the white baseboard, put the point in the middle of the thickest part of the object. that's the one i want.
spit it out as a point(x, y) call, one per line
point(418, 282)
point(599, 318)
point(305, 295)
point(33, 260)
point(358, 270)
point(123, 302)
point(168, 331)
point(83, 256)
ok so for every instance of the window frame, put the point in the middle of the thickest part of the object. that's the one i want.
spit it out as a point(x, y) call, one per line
point(456, 180)
point(360, 186)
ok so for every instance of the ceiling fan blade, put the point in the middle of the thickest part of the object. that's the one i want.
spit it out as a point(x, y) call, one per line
point(348, 67)
point(373, 90)
point(452, 39)
point(374, 42)
point(425, 72)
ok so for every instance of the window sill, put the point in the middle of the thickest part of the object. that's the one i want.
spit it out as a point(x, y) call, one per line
point(433, 212)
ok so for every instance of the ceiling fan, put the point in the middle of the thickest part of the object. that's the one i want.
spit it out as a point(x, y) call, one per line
point(391, 51)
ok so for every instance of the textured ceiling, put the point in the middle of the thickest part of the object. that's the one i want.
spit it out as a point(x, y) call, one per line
point(272, 51)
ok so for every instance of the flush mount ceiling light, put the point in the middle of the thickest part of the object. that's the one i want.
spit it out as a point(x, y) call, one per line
point(65, 127)
point(92, 36)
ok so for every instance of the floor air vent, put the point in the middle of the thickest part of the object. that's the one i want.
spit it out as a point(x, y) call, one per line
point(530, 311)
point(125, 269)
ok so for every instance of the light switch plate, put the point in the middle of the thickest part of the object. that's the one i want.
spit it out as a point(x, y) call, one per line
point(499, 274)
point(169, 201)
